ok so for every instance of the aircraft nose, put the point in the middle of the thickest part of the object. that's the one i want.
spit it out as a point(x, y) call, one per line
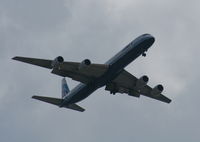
point(149, 39)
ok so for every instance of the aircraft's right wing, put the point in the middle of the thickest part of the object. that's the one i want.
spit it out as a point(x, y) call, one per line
point(126, 82)
point(69, 69)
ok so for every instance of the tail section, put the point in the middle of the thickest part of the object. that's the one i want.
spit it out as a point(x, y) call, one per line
point(58, 101)
point(65, 88)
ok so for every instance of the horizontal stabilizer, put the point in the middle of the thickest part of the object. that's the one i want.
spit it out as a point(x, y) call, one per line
point(75, 107)
point(50, 100)
point(56, 101)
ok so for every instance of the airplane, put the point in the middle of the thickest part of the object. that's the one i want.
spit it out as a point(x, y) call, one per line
point(92, 76)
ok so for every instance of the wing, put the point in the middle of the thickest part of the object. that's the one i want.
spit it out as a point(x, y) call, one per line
point(84, 75)
point(56, 101)
point(126, 82)
point(69, 69)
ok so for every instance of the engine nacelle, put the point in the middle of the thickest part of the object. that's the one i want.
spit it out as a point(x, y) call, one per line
point(157, 90)
point(57, 61)
point(142, 81)
point(84, 64)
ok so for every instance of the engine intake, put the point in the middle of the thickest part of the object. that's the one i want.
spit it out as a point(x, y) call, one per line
point(84, 63)
point(57, 61)
point(142, 81)
point(60, 59)
point(157, 90)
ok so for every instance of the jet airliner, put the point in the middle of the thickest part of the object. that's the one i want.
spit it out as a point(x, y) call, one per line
point(92, 76)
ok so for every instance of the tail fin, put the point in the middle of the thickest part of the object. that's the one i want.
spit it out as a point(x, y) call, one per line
point(65, 88)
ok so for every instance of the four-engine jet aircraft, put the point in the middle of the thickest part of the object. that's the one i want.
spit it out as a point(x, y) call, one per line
point(112, 75)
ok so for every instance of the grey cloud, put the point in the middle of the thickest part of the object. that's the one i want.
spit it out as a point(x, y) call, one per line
point(97, 30)
point(37, 15)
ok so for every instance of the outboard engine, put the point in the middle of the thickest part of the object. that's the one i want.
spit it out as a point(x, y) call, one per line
point(157, 90)
point(57, 61)
point(142, 81)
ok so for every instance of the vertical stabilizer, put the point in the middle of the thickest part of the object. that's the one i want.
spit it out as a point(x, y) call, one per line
point(65, 88)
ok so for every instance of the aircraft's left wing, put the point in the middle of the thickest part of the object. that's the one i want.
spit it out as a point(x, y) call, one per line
point(69, 69)
point(126, 82)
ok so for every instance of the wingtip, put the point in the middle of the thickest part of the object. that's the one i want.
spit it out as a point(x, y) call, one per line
point(82, 110)
point(34, 97)
point(168, 101)
point(17, 58)
point(14, 58)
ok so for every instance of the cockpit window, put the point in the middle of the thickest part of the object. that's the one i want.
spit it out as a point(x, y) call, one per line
point(145, 34)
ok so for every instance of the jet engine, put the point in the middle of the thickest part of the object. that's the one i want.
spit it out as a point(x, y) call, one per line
point(57, 61)
point(84, 63)
point(142, 81)
point(157, 90)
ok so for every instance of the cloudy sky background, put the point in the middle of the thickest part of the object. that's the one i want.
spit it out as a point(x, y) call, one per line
point(97, 30)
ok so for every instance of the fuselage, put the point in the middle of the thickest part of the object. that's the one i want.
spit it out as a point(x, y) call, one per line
point(116, 65)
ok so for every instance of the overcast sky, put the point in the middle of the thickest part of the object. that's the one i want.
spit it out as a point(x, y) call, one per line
point(97, 30)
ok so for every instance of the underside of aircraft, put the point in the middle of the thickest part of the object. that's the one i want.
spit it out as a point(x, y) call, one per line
point(92, 76)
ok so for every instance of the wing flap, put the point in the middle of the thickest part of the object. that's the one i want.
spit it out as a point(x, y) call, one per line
point(73, 75)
